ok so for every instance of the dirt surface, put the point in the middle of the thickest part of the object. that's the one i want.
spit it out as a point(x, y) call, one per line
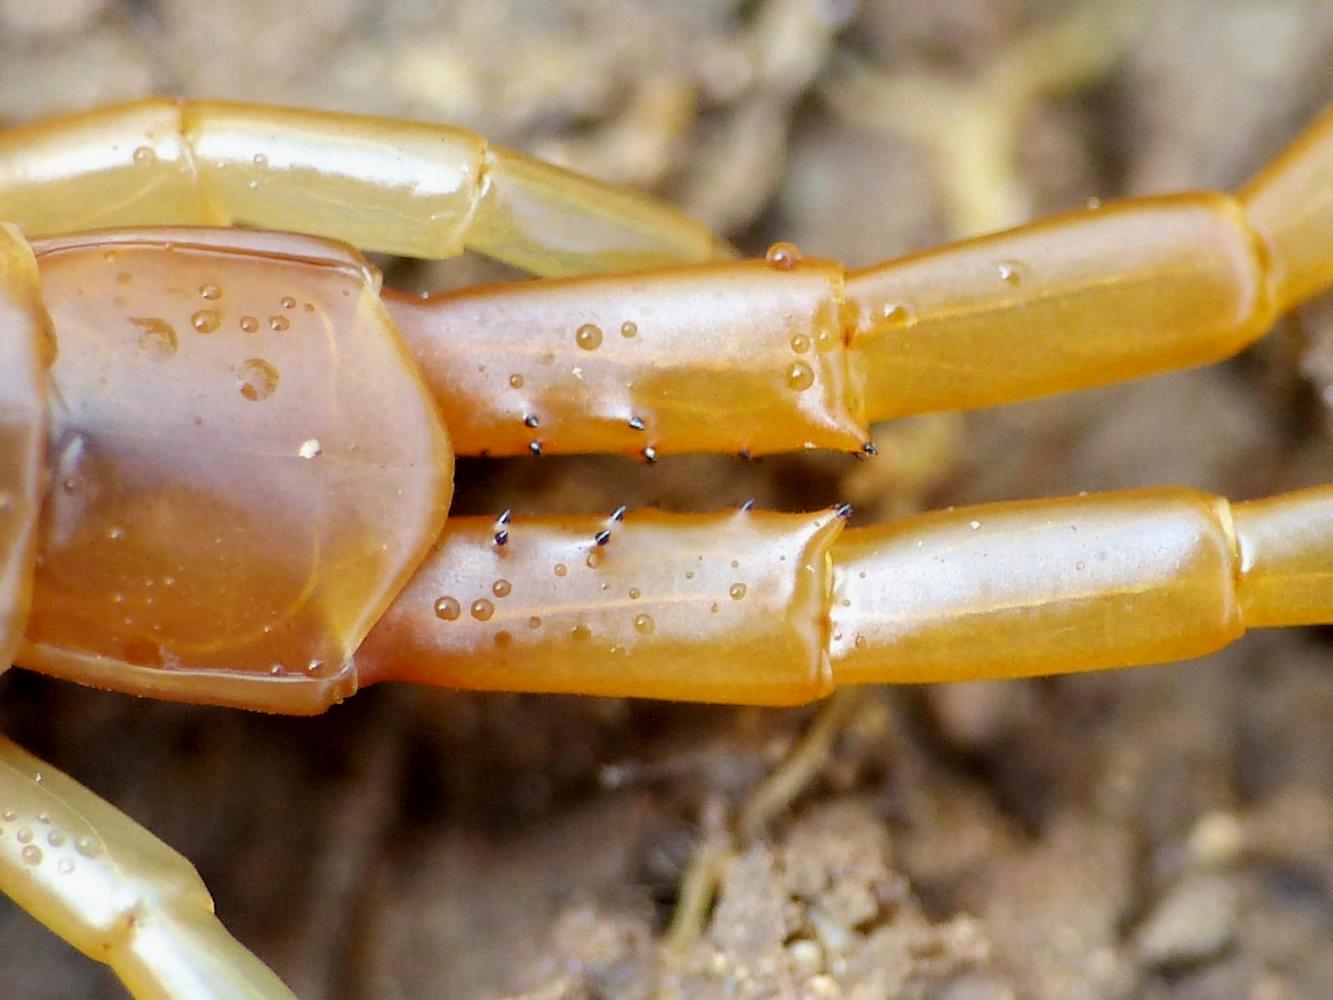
point(1156, 833)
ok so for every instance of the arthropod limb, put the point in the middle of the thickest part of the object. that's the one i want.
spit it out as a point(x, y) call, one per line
point(400, 187)
point(245, 497)
point(116, 892)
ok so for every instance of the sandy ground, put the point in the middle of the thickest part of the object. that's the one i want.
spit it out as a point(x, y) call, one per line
point(1164, 832)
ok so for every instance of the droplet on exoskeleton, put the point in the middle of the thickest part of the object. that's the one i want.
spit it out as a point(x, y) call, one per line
point(206, 320)
point(589, 336)
point(259, 379)
point(783, 255)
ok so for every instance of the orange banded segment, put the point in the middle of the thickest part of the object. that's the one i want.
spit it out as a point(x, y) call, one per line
point(1035, 587)
point(1290, 203)
point(1286, 553)
point(402, 187)
point(722, 357)
point(702, 607)
point(1080, 300)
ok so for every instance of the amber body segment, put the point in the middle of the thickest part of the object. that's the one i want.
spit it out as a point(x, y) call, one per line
point(244, 467)
point(395, 186)
point(590, 365)
point(1038, 587)
point(115, 891)
point(992, 591)
point(1286, 558)
point(24, 336)
point(708, 607)
point(1085, 299)
point(1290, 203)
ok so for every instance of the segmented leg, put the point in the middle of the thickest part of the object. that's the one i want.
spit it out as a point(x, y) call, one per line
point(114, 891)
point(399, 187)
point(781, 608)
point(755, 358)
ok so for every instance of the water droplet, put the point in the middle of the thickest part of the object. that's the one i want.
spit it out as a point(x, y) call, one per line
point(206, 320)
point(144, 156)
point(1080, 566)
point(501, 588)
point(287, 302)
point(561, 569)
point(689, 574)
point(249, 324)
point(589, 337)
point(55, 838)
point(89, 847)
point(210, 291)
point(534, 622)
point(634, 593)
point(895, 314)
point(735, 564)
point(315, 668)
point(974, 525)
point(156, 336)
point(25, 836)
point(800, 343)
point(581, 633)
point(800, 376)
point(278, 324)
point(482, 609)
point(65, 866)
point(258, 378)
point(310, 448)
point(447, 609)
point(737, 591)
point(502, 638)
point(1093, 203)
point(516, 381)
point(10, 815)
point(115, 533)
point(783, 255)
point(594, 559)
point(32, 854)
point(1011, 272)
point(713, 607)
point(860, 641)
point(629, 330)
point(261, 160)
point(644, 624)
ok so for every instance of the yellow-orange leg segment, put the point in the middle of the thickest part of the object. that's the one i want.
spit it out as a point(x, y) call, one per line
point(801, 354)
point(775, 608)
point(116, 892)
point(400, 187)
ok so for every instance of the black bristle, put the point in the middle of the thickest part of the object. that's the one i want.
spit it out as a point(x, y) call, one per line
point(619, 513)
point(649, 454)
point(602, 537)
point(535, 447)
point(636, 423)
point(843, 511)
point(531, 420)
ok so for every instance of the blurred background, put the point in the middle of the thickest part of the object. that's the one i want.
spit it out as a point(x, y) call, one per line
point(1163, 832)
